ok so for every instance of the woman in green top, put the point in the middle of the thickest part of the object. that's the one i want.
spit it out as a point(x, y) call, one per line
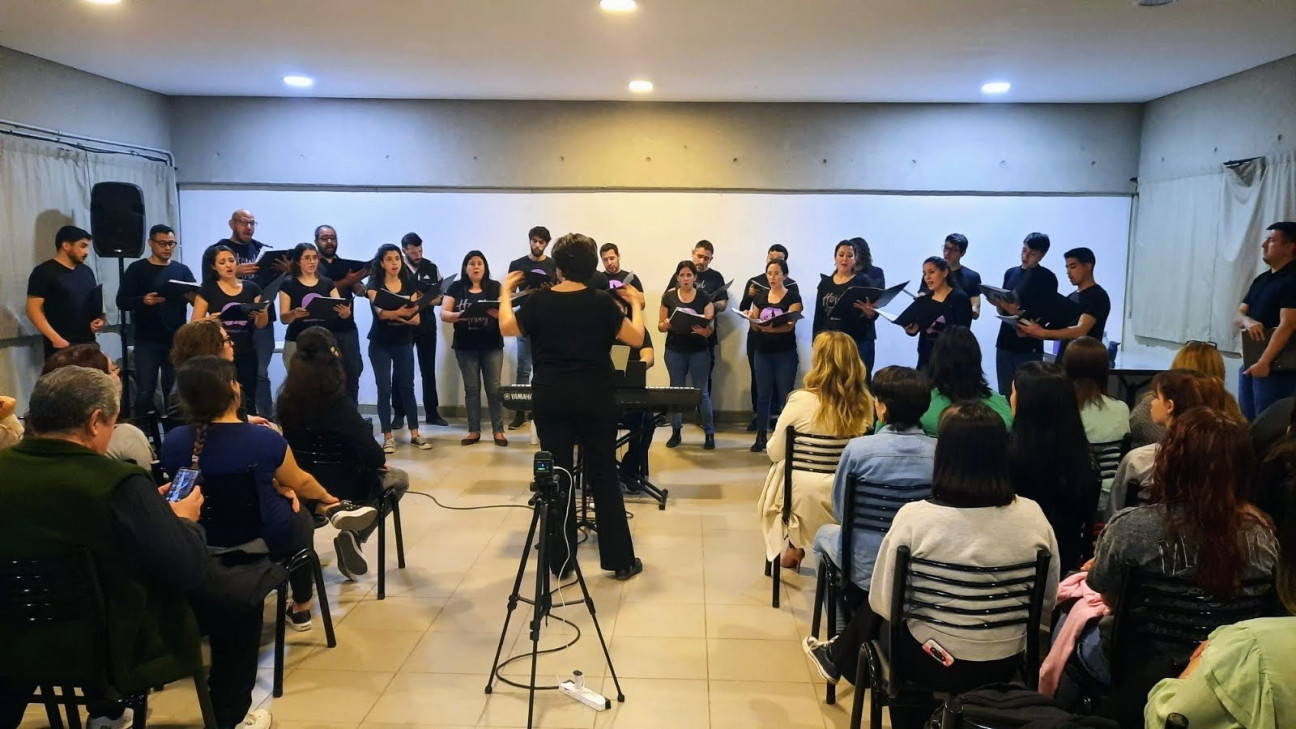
point(955, 371)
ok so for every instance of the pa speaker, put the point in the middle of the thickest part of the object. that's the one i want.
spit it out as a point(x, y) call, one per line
point(117, 219)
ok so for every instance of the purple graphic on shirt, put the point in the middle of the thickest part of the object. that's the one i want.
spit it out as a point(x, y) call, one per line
point(770, 312)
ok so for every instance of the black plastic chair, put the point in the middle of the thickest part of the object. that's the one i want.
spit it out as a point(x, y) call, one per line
point(1013, 595)
point(808, 453)
point(231, 515)
point(338, 464)
point(1106, 458)
point(871, 514)
point(62, 594)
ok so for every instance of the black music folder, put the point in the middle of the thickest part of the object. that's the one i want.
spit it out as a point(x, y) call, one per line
point(174, 289)
point(779, 320)
point(266, 271)
point(321, 307)
point(878, 297)
point(239, 312)
point(479, 309)
point(995, 293)
point(387, 301)
point(1251, 351)
point(923, 311)
point(435, 289)
point(94, 303)
point(682, 322)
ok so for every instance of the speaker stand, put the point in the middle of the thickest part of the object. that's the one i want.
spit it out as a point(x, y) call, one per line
point(123, 331)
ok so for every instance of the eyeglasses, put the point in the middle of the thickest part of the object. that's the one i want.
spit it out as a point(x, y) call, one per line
point(227, 342)
point(1212, 345)
point(163, 243)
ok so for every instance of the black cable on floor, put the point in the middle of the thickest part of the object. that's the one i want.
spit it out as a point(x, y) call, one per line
point(470, 508)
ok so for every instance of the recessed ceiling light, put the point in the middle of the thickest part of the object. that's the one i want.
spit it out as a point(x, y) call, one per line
point(617, 6)
point(1153, 3)
point(104, 2)
point(641, 86)
point(300, 82)
point(995, 87)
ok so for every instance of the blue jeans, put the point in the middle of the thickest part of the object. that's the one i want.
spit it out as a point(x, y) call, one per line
point(394, 374)
point(1006, 364)
point(480, 366)
point(868, 352)
point(1255, 394)
point(352, 362)
point(775, 375)
point(524, 360)
point(264, 341)
point(151, 358)
point(695, 366)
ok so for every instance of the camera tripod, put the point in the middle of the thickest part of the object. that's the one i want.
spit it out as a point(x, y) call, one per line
point(542, 508)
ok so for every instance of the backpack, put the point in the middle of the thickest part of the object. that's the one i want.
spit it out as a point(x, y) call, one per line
point(1005, 706)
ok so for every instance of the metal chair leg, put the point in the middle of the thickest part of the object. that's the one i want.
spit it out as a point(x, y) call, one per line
point(777, 568)
point(70, 705)
point(51, 707)
point(281, 611)
point(321, 598)
point(820, 580)
point(400, 534)
point(382, 550)
point(204, 699)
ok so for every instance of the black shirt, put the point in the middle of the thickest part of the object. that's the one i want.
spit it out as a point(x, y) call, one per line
point(392, 331)
point(760, 283)
point(571, 333)
point(481, 332)
point(684, 342)
point(426, 275)
point(956, 309)
point(526, 264)
point(1035, 288)
point(246, 253)
point(337, 270)
point(239, 330)
point(854, 323)
point(1095, 302)
point(625, 278)
point(708, 282)
point(157, 323)
point(67, 293)
point(764, 342)
point(876, 275)
point(299, 296)
point(1270, 293)
point(964, 279)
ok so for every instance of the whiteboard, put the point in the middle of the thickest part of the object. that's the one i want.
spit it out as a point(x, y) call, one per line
point(655, 230)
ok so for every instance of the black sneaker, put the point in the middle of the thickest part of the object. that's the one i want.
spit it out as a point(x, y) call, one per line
point(709, 443)
point(519, 419)
point(818, 653)
point(350, 560)
point(626, 573)
point(299, 621)
point(345, 515)
point(436, 419)
point(759, 445)
point(675, 438)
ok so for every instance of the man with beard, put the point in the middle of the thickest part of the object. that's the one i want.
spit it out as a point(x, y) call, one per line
point(536, 260)
point(426, 277)
point(346, 276)
point(61, 293)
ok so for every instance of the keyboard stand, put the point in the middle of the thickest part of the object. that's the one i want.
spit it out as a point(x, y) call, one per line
point(645, 486)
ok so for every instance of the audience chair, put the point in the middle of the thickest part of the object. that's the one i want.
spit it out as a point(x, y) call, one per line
point(57, 602)
point(808, 453)
point(232, 517)
point(1106, 457)
point(337, 464)
point(1013, 595)
point(869, 507)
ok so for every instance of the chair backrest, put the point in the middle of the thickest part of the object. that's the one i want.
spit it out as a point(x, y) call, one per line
point(1108, 455)
point(1168, 617)
point(54, 604)
point(231, 511)
point(1004, 596)
point(808, 453)
point(335, 462)
point(872, 507)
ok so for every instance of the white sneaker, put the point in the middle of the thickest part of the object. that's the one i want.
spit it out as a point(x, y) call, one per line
point(419, 443)
point(389, 446)
point(126, 719)
point(256, 719)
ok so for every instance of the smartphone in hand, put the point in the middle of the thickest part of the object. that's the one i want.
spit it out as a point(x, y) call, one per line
point(183, 484)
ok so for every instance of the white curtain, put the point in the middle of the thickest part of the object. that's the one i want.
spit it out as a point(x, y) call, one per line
point(1196, 247)
point(44, 186)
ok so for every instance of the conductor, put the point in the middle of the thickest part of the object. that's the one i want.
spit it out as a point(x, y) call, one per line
point(572, 329)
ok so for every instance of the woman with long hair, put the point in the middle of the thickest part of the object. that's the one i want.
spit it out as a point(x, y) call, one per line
point(225, 297)
point(973, 518)
point(391, 343)
point(688, 356)
point(299, 289)
point(835, 403)
point(1048, 457)
point(128, 442)
point(955, 308)
point(775, 361)
point(956, 375)
point(1275, 494)
point(478, 344)
point(314, 401)
point(1105, 418)
point(1204, 357)
point(856, 323)
point(217, 443)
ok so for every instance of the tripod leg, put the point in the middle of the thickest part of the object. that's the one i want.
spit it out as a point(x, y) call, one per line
point(589, 603)
point(513, 597)
point(542, 600)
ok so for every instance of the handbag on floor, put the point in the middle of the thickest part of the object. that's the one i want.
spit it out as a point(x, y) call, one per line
point(1005, 706)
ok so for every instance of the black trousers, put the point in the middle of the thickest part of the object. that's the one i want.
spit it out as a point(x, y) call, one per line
point(571, 414)
point(245, 371)
point(634, 464)
point(425, 347)
point(302, 581)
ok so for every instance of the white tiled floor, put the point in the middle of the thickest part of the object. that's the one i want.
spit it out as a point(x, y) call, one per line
point(694, 639)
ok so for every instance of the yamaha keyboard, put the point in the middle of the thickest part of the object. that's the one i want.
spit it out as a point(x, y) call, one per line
point(668, 399)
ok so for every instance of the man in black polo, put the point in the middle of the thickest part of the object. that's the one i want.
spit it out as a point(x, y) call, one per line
point(60, 293)
point(754, 284)
point(1270, 304)
point(538, 239)
point(1033, 287)
point(155, 317)
point(347, 277)
point(1090, 298)
point(426, 277)
point(960, 277)
point(710, 282)
point(611, 256)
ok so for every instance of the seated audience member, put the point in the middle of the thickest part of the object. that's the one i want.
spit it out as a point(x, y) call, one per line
point(1048, 456)
point(893, 461)
point(1244, 677)
point(1199, 525)
point(1275, 495)
point(955, 372)
point(11, 428)
point(1105, 418)
point(1270, 426)
point(312, 401)
point(834, 403)
point(973, 518)
point(219, 444)
point(204, 337)
point(1203, 357)
point(61, 493)
point(128, 442)
point(1174, 392)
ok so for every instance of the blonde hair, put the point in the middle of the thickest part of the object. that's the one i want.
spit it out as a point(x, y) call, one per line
point(838, 377)
point(1201, 356)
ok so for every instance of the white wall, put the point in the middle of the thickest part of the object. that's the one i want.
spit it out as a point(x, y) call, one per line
point(656, 229)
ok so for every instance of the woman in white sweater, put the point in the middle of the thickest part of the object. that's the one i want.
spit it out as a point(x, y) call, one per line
point(835, 403)
point(974, 519)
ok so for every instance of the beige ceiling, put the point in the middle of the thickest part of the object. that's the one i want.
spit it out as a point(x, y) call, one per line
point(694, 50)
